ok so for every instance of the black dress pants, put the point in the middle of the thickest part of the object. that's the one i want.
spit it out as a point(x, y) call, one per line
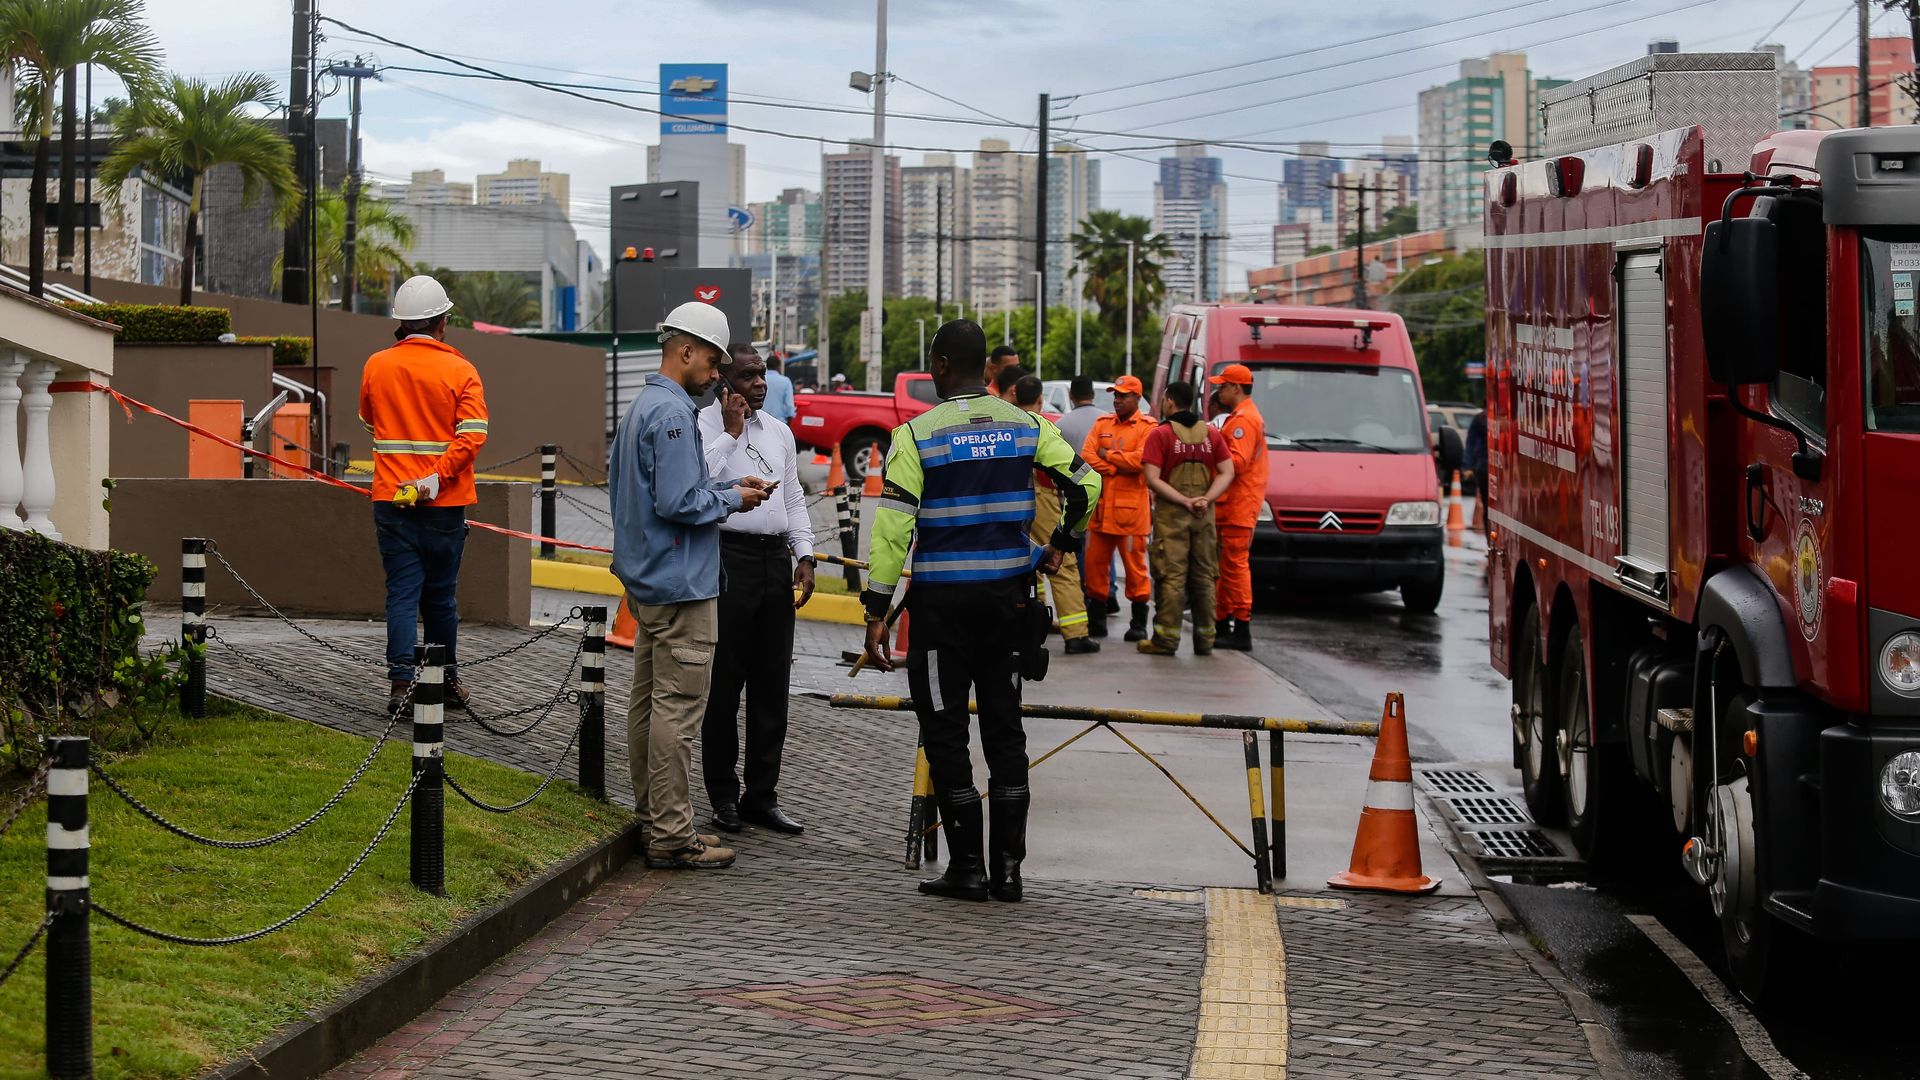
point(755, 654)
point(963, 646)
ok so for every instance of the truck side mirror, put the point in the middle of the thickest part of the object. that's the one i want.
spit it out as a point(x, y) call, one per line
point(1740, 300)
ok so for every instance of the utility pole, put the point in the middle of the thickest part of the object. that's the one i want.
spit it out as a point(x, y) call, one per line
point(877, 200)
point(1079, 312)
point(294, 288)
point(360, 70)
point(1129, 307)
point(1866, 67)
point(1040, 228)
point(1360, 245)
point(939, 248)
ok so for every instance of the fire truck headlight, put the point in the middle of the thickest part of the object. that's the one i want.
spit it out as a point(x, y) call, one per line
point(1900, 785)
point(1900, 663)
point(1414, 513)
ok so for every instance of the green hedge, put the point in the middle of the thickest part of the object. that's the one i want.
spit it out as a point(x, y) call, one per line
point(151, 324)
point(70, 661)
point(287, 348)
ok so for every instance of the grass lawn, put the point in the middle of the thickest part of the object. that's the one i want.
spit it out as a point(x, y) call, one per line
point(167, 1011)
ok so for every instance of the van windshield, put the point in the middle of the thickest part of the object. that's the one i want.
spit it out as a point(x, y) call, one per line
point(1340, 408)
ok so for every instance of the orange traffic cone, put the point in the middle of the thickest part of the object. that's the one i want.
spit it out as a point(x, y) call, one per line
point(836, 472)
point(1456, 521)
point(624, 627)
point(1386, 848)
point(874, 481)
point(900, 640)
point(819, 458)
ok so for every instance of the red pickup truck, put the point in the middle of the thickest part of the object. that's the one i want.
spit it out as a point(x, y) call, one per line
point(859, 423)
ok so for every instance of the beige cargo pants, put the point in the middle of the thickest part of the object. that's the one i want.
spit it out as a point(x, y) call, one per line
point(1186, 567)
point(672, 669)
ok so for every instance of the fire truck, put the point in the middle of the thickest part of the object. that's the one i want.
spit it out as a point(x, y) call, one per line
point(1704, 481)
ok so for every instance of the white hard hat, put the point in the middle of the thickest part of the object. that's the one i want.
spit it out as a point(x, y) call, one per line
point(839, 378)
point(704, 321)
point(419, 298)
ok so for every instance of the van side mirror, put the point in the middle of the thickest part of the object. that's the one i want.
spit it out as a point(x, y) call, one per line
point(1740, 300)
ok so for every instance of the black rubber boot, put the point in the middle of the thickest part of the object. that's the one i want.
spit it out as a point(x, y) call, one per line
point(1008, 843)
point(1242, 635)
point(965, 877)
point(1137, 626)
point(1096, 617)
point(1223, 633)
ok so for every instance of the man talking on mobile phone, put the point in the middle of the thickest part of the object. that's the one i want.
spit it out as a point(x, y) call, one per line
point(767, 557)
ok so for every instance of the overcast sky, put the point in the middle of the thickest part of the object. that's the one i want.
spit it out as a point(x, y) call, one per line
point(992, 57)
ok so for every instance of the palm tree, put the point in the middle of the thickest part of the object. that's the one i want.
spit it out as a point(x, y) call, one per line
point(493, 296)
point(189, 126)
point(382, 236)
point(1101, 248)
point(48, 39)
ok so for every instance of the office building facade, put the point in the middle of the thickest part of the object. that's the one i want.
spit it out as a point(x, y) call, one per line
point(1190, 210)
point(936, 207)
point(846, 181)
point(1494, 98)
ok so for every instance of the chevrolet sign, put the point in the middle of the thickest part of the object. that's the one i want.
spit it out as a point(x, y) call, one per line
point(693, 84)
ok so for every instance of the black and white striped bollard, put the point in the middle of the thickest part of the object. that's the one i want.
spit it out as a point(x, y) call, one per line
point(549, 496)
point(193, 624)
point(593, 703)
point(427, 854)
point(849, 537)
point(69, 947)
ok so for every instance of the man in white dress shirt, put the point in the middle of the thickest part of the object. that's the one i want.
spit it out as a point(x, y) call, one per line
point(760, 579)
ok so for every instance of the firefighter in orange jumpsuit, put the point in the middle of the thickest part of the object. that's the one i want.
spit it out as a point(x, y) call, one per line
point(1123, 518)
point(1239, 508)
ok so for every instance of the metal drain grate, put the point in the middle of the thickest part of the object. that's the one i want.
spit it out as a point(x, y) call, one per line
point(1515, 844)
point(1457, 782)
point(1488, 810)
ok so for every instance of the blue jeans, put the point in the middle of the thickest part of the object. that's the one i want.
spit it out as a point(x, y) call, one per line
point(420, 548)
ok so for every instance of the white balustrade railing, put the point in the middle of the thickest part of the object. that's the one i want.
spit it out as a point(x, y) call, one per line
point(12, 485)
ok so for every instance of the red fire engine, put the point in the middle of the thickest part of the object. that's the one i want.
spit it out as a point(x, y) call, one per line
point(1699, 371)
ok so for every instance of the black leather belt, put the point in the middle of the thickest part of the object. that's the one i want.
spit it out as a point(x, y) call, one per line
point(758, 543)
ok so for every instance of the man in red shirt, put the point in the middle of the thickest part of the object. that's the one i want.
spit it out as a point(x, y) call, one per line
point(1188, 466)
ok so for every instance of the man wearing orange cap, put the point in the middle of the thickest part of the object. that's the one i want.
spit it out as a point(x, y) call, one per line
point(1123, 518)
point(1239, 508)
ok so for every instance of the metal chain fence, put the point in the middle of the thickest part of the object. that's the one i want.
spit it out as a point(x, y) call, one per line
point(544, 784)
point(34, 784)
point(214, 550)
point(20, 957)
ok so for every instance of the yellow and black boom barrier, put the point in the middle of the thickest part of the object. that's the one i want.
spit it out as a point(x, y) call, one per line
point(1269, 848)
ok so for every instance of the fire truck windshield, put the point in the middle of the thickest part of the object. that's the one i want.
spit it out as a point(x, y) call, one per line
point(1340, 408)
point(1890, 274)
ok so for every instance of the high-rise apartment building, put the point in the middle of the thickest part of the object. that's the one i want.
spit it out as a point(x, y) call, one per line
point(788, 225)
point(846, 181)
point(523, 184)
point(936, 207)
point(1796, 90)
point(1002, 267)
point(1190, 210)
point(1304, 180)
point(1890, 67)
point(1386, 190)
point(1494, 98)
point(428, 187)
point(1397, 154)
point(736, 195)
point(1073, 191)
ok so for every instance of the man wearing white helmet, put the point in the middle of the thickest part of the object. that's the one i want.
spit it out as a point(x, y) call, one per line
point(424, 405)
point(666, 553)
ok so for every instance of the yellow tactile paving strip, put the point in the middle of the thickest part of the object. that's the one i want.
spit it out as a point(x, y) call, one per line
point(1243, 991)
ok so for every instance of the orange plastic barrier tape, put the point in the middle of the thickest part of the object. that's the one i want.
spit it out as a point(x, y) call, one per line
point(128, 404)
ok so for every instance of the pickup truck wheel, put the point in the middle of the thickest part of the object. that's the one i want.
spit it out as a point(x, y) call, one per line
point(1533, 732)
point(863, 452)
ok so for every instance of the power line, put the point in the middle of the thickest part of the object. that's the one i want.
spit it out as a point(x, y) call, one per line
point(1844, 12)
point(1782, 21)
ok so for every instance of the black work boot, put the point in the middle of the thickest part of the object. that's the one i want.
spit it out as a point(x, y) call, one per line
point(965, 877)
point(1137, 626)
point(1223, 633)
point(1096, 617)
point(1007, 845)
point(1242, 640)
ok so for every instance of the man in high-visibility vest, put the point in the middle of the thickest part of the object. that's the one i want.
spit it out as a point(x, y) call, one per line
point(1124, 519)
point(1239, 508)
point(1069, 602)
point(424, 405)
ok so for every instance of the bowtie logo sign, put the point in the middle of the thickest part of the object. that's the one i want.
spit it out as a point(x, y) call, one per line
point(707, 294)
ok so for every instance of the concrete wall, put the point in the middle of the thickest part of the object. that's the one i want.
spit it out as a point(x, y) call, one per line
point(309, 547)
point(167, 377)
point(537, 391)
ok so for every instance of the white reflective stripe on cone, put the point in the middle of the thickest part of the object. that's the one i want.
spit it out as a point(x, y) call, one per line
point(1390, 794)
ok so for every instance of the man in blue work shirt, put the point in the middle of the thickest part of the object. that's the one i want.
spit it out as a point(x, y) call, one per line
point(961, 476)
point(779, 391)
point(666, 552)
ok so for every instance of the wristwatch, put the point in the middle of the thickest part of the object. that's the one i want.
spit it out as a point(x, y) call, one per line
point(809, 560)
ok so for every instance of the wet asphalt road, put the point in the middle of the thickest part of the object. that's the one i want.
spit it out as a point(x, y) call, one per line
point(1855, 1016)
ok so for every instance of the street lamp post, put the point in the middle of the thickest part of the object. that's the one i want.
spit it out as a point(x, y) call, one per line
point(1079, 311)
point(613, 359)
point(1130, 307)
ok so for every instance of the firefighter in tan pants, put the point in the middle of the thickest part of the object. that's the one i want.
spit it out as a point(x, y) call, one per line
point(1188, 464)
point(1069, 604)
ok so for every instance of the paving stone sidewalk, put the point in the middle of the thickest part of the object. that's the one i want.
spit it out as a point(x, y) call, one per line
point(814, 957)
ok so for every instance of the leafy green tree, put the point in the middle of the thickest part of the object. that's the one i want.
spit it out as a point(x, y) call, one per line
point(46, 40)
point(381, 239)
point(1445, 308)
point(1101, 249)
point(494, 296)
point(187, 127)
point(1401, 220)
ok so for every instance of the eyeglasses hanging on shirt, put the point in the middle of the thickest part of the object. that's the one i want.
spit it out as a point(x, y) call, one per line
point(766, 467)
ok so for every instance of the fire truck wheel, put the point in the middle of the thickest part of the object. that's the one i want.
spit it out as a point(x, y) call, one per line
point(1589, 773)
point(1422, 597)
point(861, 453)
point(1764, 955)
point(1533, 725)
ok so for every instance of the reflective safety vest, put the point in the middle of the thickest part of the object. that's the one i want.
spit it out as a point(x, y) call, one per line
point(423, 403)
